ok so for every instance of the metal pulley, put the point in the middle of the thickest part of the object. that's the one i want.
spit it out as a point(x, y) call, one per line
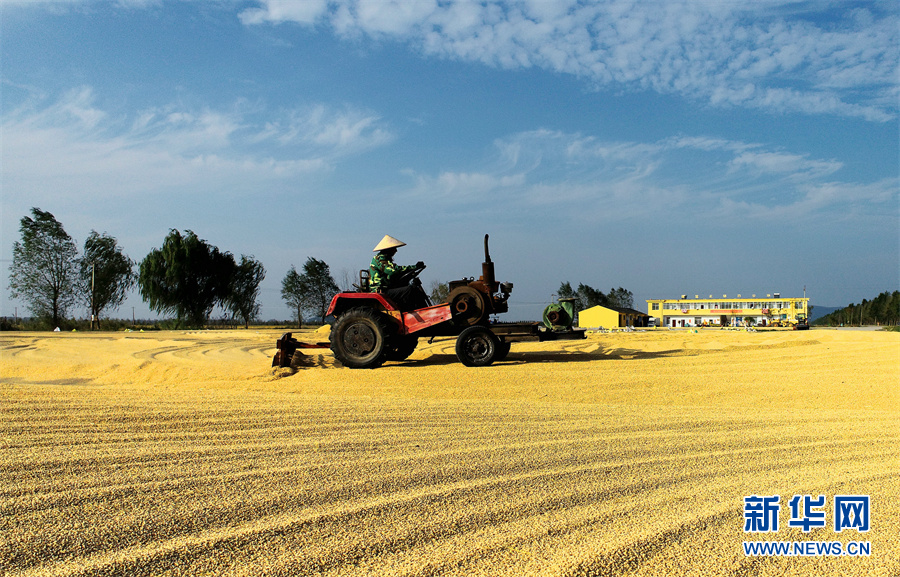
point(468, 306)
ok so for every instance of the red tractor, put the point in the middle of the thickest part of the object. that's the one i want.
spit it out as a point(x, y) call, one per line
point(370, 329)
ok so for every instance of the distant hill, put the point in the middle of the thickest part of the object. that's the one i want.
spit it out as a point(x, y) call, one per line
point(882, 310)
point(819, 312)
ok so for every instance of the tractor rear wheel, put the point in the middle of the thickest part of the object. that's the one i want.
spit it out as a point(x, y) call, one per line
point(401, 347)
point(358, 338)
point(477, 346)
point(502, 350)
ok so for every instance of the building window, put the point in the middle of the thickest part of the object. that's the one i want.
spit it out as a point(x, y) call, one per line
point(655, 306)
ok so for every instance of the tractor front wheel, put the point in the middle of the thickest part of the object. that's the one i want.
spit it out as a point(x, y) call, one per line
point(477, 346)
point(358, 338)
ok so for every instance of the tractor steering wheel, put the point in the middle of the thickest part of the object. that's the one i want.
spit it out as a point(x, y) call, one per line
point(406, 277)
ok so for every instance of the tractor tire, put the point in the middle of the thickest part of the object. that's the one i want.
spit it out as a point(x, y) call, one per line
point(401, 347)
point(477, 346)
point(359, 338)
point(503, 348)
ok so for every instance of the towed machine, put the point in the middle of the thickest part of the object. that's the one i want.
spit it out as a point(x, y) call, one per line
point(369, 329)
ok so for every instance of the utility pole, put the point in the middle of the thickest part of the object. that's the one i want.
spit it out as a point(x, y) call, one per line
point(93, 316)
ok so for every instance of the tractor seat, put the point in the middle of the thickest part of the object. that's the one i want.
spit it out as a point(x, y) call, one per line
point(363, 285)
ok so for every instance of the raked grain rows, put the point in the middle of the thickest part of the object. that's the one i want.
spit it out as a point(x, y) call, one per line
point(186, 457)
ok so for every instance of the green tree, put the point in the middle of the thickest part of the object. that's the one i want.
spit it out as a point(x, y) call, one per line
point(106, 274)
point(311, 291)
point(439, 292)
point(241, 301)
point(44, 270)
point(621, 298)
point(292, 294)
point(187, 277)
point(591, 296)
point(883, 309)
point(566, 291)
point(585, 296)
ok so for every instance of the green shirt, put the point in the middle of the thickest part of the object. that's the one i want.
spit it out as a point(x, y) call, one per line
point(382, 270)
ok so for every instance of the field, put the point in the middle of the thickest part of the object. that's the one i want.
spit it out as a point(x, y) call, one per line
point(184, 453)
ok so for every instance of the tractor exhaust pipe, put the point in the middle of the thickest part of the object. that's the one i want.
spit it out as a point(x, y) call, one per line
point(487, 270)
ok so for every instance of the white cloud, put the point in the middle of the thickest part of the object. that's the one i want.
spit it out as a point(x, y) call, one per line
point(172, 148)
point(766, 55)
point(392, 16)
point(583, 178)
point(304, 12)
point(138, 4)
point(824, 203)
point(77, 107)
point(473, 186)
point(340, 131)
point(798, 167)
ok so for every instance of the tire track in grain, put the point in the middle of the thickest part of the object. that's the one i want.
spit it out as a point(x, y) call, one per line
point(499, 484)
point(162, 552)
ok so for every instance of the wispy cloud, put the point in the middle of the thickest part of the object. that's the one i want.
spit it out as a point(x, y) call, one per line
point(840, 201)
point(345, 131)
point(166, 147)
point(60, 4)
point(780, 56)
point(795, 166)
point(584, 178)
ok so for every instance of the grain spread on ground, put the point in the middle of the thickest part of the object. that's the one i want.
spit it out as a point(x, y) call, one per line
point(184, 453)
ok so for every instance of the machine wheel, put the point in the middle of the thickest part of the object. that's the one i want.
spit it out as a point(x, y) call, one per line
point(358, 339)
point(401, 347)
point(502, 350)
point(468, 306)
point(476, 346)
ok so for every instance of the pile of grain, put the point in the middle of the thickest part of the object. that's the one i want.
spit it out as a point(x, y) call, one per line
point(185, 453)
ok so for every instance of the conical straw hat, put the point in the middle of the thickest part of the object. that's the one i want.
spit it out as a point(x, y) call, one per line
point(388, 242)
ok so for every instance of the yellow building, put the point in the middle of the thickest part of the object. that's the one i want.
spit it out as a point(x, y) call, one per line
point(611, 317)
point(737, 311)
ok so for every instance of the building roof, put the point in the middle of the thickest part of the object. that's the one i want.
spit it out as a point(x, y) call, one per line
point(753, 298)
point(622, 310)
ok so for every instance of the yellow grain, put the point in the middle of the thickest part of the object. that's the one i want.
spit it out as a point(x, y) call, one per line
point(184, 453)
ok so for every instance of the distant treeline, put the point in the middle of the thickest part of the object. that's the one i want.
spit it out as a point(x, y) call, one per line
point(186, 278)
point(882, 310)
point(113, 324)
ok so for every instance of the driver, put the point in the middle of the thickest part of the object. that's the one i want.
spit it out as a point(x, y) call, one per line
point(387, 277)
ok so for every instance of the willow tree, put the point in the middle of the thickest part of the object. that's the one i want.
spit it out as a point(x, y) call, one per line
point(186, 277)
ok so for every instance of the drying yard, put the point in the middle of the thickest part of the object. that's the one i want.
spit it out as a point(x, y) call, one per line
point(184, 453)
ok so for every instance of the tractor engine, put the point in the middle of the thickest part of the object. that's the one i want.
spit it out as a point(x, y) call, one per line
point(473, 301)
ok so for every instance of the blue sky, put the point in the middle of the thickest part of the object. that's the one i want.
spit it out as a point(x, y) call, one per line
point(668, 147)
